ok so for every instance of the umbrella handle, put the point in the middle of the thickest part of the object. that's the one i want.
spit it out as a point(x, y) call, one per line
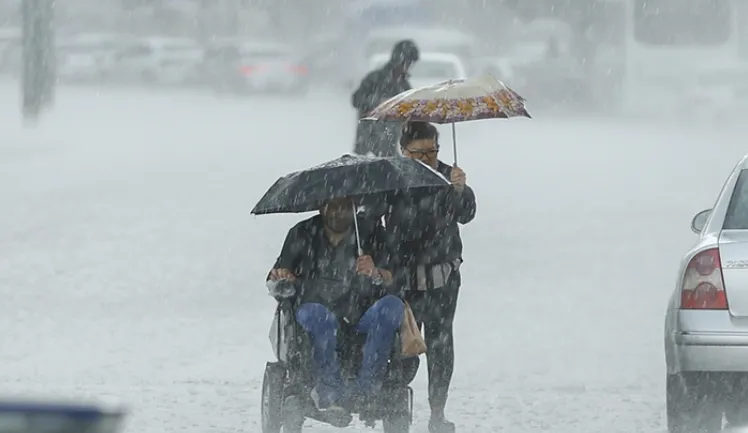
point(454, 143)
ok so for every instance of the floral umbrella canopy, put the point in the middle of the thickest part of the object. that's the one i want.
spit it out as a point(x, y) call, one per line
point(453, 101)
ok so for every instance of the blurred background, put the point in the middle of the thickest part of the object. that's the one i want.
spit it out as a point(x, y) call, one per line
point(130, 267)
point(599, 54)
point(559, 52)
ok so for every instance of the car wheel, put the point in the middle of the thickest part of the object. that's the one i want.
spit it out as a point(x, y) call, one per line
point(105, 77)
point(736, 401)
point(218, 88)
point(148, 77)
point(690, 406)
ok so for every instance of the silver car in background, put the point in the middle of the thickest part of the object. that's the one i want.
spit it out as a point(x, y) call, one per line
point(706, 326)
point(87, 58)
point(160, 60)
point(431, 68)
point(255, 67)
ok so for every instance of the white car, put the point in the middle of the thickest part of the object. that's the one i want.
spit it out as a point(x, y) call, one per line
point(161, 60)
point(431, 68)
point(244, 67)
point(88, 57)
point(706, 325)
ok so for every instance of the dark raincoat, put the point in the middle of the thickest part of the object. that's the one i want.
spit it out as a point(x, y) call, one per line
point(424, 236)
point(423, 228)
point(299, 254)
point(381, 138)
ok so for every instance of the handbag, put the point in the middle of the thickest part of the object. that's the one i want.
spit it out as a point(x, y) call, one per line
point(412, 342)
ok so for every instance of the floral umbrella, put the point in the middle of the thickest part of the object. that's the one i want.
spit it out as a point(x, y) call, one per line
point(453, 101)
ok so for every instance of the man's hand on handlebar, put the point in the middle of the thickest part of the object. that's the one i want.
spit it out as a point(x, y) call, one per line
point(281, 284)
point(282, 274)
point(365, 266)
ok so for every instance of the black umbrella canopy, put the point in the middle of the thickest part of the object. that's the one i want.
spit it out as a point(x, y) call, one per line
point(352, 176)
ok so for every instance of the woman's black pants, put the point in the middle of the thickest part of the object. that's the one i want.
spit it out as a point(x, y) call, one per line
point(435, 311)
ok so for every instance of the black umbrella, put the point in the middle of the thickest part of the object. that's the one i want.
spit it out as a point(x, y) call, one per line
point(352, 176)
point(348, 176)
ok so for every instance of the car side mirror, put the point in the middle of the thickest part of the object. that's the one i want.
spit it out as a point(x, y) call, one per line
point(699, 221)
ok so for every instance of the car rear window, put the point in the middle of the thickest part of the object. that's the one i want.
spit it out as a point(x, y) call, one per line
point(737, 211)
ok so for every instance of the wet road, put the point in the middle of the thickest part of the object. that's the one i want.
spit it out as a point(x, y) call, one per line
point(130, 266)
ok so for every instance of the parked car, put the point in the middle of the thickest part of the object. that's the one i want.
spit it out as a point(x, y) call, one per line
point(324, 57)
point(243, 67)
point(160, 60)
point(431, 67)
point(706, 325)
point(87, 58)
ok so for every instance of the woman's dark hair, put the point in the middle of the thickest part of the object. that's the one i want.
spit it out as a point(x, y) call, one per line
point(418, 131)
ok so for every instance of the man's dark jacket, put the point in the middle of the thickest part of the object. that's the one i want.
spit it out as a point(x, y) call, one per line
point(379, 85)
point(299, 256)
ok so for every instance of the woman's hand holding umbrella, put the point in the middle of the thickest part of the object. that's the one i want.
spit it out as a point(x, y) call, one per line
point(458, 179)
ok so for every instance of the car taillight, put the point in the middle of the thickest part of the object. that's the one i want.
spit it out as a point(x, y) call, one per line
point(703, 286)
point(246, 70)
point(299, 69)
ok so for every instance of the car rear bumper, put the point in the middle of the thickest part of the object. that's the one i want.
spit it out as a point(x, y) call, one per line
point(706, 341)
point(712, 352)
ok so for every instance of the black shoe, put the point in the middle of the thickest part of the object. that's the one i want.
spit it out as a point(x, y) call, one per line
point(293, 414)
point(333, 413)
point(336, 416)
point(439, 424)
point(365, 406)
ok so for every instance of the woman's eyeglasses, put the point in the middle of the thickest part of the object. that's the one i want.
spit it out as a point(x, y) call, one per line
point(420, 153)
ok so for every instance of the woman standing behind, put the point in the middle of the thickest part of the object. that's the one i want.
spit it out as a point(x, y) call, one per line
point(424, 229)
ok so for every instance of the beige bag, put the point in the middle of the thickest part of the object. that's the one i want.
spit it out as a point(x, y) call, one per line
point(410, 336)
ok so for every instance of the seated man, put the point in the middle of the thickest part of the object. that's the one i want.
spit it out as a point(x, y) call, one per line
point(334, 285)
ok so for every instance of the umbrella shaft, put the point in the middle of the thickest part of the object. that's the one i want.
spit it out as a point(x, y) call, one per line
point(355, 226)
point(454, 142)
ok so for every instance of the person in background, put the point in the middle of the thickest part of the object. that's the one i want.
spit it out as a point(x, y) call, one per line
point(380, 138)
point(424, 235)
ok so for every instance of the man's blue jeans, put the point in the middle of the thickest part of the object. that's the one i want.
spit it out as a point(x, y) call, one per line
point(379, 323)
